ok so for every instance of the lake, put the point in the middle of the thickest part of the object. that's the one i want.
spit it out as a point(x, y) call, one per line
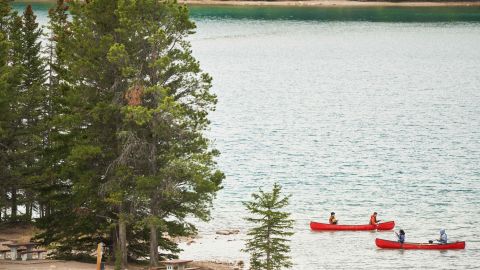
point(352, 110)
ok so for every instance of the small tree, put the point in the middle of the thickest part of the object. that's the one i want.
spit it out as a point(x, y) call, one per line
point(269, 244)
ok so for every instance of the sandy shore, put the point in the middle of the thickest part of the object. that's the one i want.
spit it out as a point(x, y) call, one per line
point(24, 234)
point(70, 265)
point(49, 265)
point(309, 3)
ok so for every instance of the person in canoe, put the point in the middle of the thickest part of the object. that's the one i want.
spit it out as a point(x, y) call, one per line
point(401, 236)
point(333, 219)
point(443, 237)
point(373, 219)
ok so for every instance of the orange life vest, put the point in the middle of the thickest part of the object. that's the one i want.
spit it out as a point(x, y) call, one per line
point(373, 220)
point(332, 220)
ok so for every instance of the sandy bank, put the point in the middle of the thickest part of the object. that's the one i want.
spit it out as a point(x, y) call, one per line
point(49, 265)
point(24, 233)
point(310, 3)
point(70, 265)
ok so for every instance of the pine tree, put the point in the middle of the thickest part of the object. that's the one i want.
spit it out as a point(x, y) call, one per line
point(4, 12)
point(268, 244)
point(58, 26)
point(33, 62)
point(11, 117)
point(23, 110)
point(5, 79)
point(33, 96)
point(167, 101)
point(136, 108)
point(53, 187)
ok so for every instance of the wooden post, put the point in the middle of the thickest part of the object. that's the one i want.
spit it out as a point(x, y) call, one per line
point(99, 255)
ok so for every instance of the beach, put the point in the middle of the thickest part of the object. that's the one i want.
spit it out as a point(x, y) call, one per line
point(24, 234)
point(71, 265)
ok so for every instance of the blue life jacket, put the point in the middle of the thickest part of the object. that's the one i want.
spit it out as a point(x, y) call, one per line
point(401, 238)
point(443, 237)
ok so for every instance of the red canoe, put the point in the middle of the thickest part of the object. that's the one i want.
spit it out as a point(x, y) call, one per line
point(385, 226)
point(381, 243)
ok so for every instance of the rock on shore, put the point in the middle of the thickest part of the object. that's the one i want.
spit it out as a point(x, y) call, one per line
point(228, 232)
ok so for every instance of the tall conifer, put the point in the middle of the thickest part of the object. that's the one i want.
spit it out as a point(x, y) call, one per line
point(5, 78)
point(20, 134)
point(137, 108)
point(11, 118)
point(53, 186)
point(268, 244)
point(35, 73)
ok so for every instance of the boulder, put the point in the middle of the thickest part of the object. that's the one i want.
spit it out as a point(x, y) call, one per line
point(228, 232)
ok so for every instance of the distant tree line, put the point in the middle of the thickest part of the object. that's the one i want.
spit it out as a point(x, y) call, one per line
point(102, 127)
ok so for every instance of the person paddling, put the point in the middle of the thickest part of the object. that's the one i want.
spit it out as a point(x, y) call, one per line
point(443, 237)
point(332, 219)
point(401, 236)
point(373, 219)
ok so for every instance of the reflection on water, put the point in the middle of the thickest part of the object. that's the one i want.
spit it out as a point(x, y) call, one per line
point(373, 14)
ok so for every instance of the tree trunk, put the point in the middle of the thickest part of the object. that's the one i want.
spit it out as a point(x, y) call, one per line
point(269, 260)
point(48, 210)
point(122, 235)
point(13, 215)
point(111, 252)
point(28, 211)
point(32, 207)
point(153, 245)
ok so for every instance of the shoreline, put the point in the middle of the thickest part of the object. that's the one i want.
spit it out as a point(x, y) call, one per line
point(48, 264)
point(310, 3)
point(24, 234)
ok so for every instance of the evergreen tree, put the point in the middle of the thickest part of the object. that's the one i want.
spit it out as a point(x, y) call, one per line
point(5, 79)
point(269, 244)
point(58, 26)
point(10, 116)
point(20, 122)
point(165, 110)
point(33, 114)
point(4, 12)
point(52, 185)
point(35, 73)
point(136, 108)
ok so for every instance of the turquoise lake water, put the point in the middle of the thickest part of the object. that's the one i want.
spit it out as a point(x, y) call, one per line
point(352, 110)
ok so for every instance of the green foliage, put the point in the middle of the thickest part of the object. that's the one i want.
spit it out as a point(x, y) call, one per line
point(21, 97)
point(5, 78)
point(4, 12)
point(268, 244)
point(133, 106)
point(106, 131)
point(31, 47)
